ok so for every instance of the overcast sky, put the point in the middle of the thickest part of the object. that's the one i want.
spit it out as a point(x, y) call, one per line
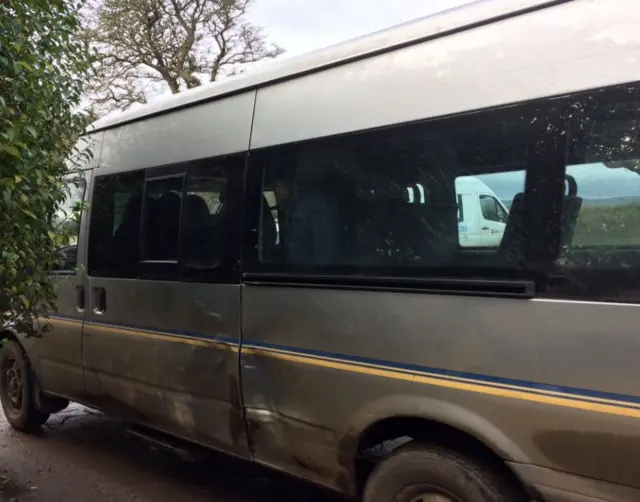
point(305, 25)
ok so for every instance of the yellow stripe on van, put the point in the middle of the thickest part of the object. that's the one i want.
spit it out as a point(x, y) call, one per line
point(513, 393)
point(149, 334)
point(157, 335)
point(440, 376)
point(60, 320)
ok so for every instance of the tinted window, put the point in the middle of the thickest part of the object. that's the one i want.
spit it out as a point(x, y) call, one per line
point(598, 254)
point(389, 198)
point(162, 209)
point(602, 214)
point(204, 216)
point(114, 233)
point(189, 225)
point(212, 220)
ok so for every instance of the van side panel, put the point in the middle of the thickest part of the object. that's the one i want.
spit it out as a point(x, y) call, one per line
point(319, 371)
point(209, 130)
point(56, 355)
point(164, 352)
point(153, 358)
point(575, 43)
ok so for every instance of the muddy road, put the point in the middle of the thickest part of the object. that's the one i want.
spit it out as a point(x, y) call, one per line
point(84, 456)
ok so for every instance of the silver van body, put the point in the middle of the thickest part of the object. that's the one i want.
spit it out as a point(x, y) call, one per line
point(304, 367)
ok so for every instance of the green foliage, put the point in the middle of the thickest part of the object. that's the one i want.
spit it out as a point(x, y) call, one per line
point(44, 67)
point(608, 225)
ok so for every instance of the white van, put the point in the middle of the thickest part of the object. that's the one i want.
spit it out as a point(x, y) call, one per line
point(482, 217)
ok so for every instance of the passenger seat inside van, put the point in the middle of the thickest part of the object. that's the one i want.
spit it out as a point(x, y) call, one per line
point(162, 227)
point(121, 251)
point(513, 247)
point(391, 231)
point(320, 227)
point(197, 230)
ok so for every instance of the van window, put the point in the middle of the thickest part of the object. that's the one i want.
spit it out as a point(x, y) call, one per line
point(190, 223)
point(599, 235)
point(114, 231)
point(211, 228)
point(387, 198)
point(162, 209)
point(204, 216)
point(603, 216)
point(66, 223)
point(492, 210)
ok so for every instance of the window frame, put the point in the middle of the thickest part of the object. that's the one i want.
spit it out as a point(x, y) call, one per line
point(229, 269)
point(169, 270)
point(82, 176)
point(583, 283)
point(496, 204)
point(96, 203)
point(460, 208)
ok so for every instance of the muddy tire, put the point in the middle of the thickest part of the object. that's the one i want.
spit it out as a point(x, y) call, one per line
point(17, 390)
point(428, 473)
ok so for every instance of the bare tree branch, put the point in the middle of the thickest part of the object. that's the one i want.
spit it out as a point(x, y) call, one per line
point(147, 46)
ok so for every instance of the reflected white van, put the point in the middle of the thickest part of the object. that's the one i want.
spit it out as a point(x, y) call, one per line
point(482, 217)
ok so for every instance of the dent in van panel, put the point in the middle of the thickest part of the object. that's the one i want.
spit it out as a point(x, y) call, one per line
point(562, 49)
point(577, 349)
point(208, 130)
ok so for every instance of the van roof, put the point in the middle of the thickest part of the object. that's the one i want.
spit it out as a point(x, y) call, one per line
point(471, 181)
point(476, 13)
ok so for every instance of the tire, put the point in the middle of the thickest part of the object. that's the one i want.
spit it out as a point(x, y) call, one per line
point(420, 472)
point(17, 390)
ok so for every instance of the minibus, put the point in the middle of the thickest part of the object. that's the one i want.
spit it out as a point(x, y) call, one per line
point(256, 274)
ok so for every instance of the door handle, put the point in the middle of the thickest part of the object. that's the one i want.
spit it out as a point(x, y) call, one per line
point(99, 300)
point(485, 228)
point(80, 299)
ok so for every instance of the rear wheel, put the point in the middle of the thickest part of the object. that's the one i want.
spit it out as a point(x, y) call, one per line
point(429, 473)
point(17, 390)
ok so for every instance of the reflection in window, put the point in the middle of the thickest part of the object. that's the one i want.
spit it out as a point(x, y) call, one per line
point(602, 220)
point(391, 197)
point(66, 219)
point(610, 212)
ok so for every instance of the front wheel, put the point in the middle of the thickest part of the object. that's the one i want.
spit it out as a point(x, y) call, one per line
point(429, 473)
point(17, 390)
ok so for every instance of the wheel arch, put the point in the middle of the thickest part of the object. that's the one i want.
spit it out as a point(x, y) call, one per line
point(425, 419)
point(25, 343)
